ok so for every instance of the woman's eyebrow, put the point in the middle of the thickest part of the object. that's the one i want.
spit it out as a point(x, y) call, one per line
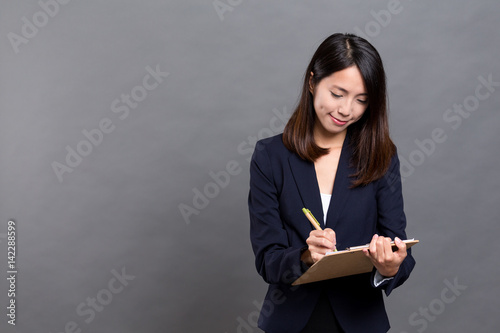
point(345, 91)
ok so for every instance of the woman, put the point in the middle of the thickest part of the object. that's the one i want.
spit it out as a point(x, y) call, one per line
point(335, 157)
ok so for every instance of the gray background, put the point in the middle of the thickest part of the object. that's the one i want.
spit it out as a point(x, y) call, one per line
point(119, 208)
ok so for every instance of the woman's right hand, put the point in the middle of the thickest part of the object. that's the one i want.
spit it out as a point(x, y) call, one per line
point(319, 243)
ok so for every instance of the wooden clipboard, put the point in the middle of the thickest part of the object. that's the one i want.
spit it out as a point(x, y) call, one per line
point(342, 263)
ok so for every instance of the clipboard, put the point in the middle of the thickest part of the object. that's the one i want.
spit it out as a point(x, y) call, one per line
point(342, 263)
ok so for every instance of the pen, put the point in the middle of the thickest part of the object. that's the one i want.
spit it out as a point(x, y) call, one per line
point(313, 220)
point(393, 245)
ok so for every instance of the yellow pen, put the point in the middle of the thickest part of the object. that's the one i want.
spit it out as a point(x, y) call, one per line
point(313, 220)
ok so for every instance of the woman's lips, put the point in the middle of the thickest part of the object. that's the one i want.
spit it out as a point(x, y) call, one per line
point(338, 122)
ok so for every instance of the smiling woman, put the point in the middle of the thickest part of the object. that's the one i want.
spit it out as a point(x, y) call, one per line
point(337, 107)
point(336, 159)
point(351, 61)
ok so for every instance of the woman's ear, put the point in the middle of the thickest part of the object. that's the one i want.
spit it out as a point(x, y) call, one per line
point(311, 86)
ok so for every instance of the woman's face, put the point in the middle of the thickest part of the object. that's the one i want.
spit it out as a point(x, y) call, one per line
point(339, 101)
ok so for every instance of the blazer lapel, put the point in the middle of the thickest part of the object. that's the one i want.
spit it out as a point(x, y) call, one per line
point(341, 186)
point(304, 175)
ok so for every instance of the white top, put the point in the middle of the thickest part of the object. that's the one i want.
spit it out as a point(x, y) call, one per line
point(325, 201)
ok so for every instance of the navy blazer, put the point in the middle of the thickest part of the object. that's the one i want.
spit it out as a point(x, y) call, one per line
point(281, 184)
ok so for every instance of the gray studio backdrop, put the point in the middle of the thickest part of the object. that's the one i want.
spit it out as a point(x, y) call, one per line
point(126, 129)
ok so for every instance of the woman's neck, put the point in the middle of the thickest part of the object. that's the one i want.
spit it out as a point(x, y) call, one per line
point(329, 140)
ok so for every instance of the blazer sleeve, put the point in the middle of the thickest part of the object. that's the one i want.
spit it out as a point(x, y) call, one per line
point(392, 220)
point(276, 260)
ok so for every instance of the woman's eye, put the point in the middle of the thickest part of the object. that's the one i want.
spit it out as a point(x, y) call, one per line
point(362, 101)
point(335, 95)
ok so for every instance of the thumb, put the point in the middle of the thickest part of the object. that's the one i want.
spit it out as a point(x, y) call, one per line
point(401, 245)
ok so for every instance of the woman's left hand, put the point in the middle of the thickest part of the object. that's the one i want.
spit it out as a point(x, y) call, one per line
point(383, 258)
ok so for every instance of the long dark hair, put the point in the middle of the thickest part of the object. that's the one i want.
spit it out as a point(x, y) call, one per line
point(369, 136)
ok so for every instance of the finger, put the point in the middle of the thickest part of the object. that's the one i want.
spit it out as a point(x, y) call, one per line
point(319, 240)
point(401, 247)
point(388, 248)
point(326, 238)
point(381, 244)
point(316, 252)
point(373, 246)
point(331, 236)
point(316, 233)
